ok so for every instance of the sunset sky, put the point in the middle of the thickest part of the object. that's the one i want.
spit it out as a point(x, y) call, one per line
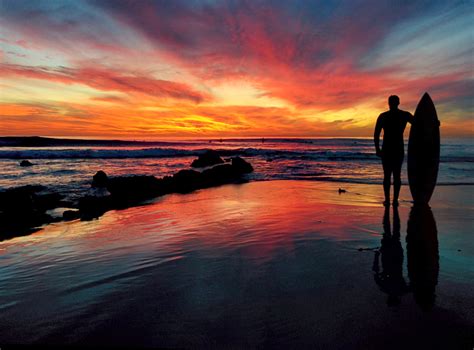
point(152, 69)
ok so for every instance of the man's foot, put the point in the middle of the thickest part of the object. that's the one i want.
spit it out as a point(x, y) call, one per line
point(395, 203)
point(386, 203)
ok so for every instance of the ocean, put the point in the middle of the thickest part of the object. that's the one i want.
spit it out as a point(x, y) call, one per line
point(69, 169)
point(265, 264)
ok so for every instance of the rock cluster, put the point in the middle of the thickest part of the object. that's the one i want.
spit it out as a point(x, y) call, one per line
point(24, 208)
point(126, 191)
point(209, 158)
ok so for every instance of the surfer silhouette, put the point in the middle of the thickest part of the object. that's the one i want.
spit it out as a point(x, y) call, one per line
point(393, 123)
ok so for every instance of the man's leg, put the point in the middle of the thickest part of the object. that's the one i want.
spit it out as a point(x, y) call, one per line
point(397, 181)
point(387, 174)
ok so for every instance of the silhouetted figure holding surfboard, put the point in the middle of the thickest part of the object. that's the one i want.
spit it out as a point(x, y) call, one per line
point(393, 123)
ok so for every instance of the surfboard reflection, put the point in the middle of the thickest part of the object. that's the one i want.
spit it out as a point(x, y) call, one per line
point(422, 255)
point(422, 258)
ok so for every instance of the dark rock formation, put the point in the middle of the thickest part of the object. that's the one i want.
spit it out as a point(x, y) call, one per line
point(100, 179)
point(92, 207)
point(23, 208)
point(25, 163)
point(209, 158)
point(219, 175)
point(241, 166)
point(186, 181)
point(127, 191)
point(69, 215)
point(135, 187)
point(121, 192)
point(47, 201)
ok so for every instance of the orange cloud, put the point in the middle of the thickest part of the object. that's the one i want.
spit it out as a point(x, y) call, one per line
point(156, 69)
point(107, 80)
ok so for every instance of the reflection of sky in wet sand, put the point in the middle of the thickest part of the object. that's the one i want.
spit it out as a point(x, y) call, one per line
point(253, 263)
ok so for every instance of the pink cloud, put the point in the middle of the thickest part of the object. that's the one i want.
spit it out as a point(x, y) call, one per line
point(108, 80)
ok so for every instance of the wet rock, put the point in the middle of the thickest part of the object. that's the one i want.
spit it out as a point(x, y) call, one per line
point(220, 174)
point(24, 208)
point(100, 179)
point(135, 187)
point(241, 166)
point(92, 207)
point(186, 181)
point(18, 200)
point(69, 215)
point(98, 192)
point(121, 192)
point(47, 201)
point(25, 163)
point(209, 158)
point(21, 210)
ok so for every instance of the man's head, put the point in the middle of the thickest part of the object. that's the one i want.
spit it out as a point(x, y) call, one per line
point(393, 102)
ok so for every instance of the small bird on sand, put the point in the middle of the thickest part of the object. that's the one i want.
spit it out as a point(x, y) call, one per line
point(341, 190)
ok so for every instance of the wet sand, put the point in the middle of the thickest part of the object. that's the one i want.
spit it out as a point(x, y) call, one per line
point(264, 264)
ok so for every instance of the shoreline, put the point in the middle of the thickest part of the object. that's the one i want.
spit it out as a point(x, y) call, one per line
point(58, 207)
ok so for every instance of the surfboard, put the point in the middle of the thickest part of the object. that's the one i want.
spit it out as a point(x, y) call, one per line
point(423, 151)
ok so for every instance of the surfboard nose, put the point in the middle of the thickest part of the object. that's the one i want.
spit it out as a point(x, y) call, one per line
point(426, 96)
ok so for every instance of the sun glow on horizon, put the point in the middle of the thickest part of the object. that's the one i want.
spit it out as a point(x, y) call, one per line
point(149, 70)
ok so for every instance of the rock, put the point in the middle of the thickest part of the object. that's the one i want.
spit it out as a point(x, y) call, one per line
point(209, 158)
point(25, 163)
point(18, 201)
point(98, 192)
point(92, 207)
point(186, 181)
point(220, 174)
point(69, 215)
point(241, 165)
point(126, 191)
point(135, 187)
point(21, 209)
point(46, 201)
point(100, 179)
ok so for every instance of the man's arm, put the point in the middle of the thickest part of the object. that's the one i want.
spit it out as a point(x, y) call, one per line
point(411, 118)
point(377, 131)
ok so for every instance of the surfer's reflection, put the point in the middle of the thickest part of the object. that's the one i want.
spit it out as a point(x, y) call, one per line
point(390, 280)
point(422, 255)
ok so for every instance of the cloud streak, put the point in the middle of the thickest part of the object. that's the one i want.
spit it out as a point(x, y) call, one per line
point(107, 80)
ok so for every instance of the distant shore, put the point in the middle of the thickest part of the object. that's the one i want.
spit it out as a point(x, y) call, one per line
point(38, 141)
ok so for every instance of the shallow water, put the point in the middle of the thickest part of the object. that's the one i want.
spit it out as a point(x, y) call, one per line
point(259, 264)
point(69, 170)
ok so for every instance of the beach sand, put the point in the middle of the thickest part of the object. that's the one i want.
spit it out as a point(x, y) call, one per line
point(264, 264)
